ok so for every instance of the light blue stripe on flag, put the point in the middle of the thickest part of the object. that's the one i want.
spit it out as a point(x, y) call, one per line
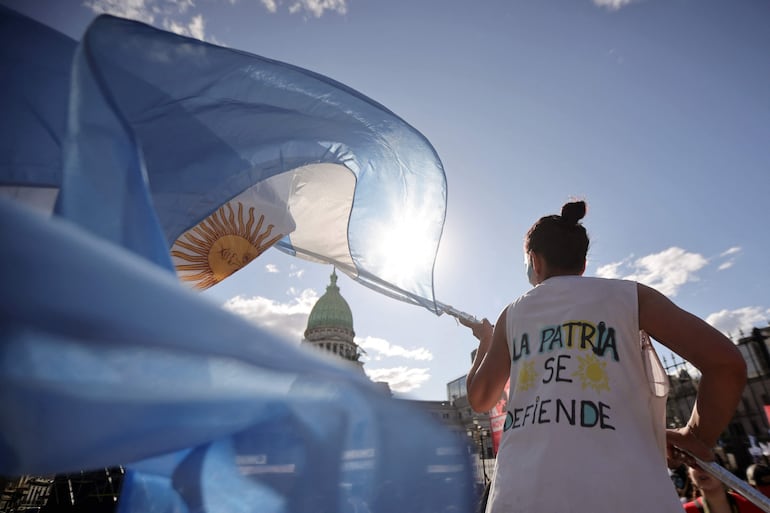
point(107, 361)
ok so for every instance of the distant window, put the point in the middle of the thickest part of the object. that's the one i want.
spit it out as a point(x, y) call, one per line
point(456, 388)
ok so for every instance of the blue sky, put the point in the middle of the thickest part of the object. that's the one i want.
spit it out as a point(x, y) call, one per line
point(656, 112)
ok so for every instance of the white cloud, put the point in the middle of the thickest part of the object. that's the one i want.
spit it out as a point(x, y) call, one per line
point(270, 5)
point(316, 8)
point(729, 254)
point(296, 272)
point(286, 319)
point(612, 5)
point(140, 10)
point(610, 270)
point(400, 379)
point(616, 56)
point(378, 348)
point(746, 318)
point(272, 268)
point(168, 14)
point(666, 271)
point(195, 28)
point(183, 5)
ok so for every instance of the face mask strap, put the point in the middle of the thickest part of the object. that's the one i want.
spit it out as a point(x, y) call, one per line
point(531, 270)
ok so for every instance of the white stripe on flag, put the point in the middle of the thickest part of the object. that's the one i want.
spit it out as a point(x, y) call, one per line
point(320, 203)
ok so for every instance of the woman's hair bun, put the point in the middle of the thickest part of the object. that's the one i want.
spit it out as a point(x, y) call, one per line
point(573, 212)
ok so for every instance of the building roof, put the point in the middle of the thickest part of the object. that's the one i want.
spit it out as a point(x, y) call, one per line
point(331, 310)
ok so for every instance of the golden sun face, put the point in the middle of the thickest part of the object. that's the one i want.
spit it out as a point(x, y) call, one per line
point(220, 245)
point(527, 376)
point(592, 373)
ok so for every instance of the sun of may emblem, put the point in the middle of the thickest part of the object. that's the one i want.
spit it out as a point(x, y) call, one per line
point(220, 245)
point(591, 373)
point(527, 376)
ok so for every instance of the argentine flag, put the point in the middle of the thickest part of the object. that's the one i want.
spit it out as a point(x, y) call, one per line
point(136, 161)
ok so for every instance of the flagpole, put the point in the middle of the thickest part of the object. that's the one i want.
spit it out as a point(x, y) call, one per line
point(457, 314)
point(378, 284)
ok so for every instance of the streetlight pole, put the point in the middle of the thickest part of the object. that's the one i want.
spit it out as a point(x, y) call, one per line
point(477, 436)
point(483, 432)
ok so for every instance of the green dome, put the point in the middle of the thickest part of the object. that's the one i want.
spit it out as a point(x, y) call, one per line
point(331, 310)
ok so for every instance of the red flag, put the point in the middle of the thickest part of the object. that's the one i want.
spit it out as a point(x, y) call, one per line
point(497, 417)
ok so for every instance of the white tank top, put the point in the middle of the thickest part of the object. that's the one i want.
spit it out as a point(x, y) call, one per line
point(585, 429)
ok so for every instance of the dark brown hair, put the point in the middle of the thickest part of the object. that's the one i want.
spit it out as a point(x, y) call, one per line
point(561, 239)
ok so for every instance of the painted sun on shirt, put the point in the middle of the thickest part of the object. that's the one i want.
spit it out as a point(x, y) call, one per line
point(220, 245)
point(527, 376)
point(591, 372)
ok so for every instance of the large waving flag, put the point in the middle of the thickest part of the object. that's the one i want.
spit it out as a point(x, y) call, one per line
point(107, 360)
point(235, 153)
point(35, 63)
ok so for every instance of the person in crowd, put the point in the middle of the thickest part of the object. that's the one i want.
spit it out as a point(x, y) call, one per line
point(585, 427)
point(758, 476)
point(714, 497)
point(683, 484)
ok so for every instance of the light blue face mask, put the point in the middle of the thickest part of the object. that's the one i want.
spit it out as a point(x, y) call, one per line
point(531, 272)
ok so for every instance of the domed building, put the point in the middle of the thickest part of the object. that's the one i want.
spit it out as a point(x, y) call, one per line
point(330, 326)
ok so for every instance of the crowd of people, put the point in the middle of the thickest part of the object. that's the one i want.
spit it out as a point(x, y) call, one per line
point(699, 491)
